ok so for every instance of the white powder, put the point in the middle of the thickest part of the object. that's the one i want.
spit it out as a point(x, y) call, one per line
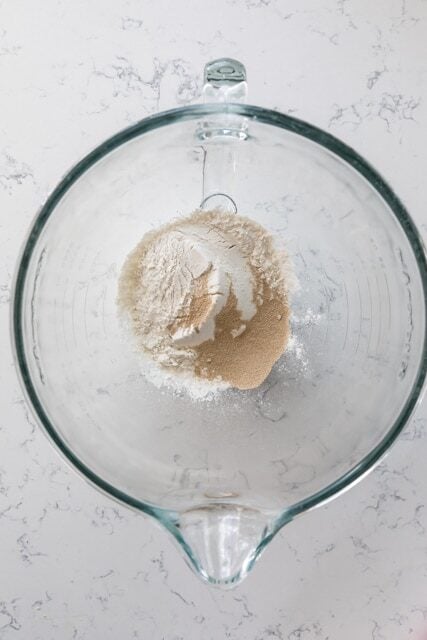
point(308, 319)
point(295, 347)
point(217, 252)
point(195, 250)
point(180, 381)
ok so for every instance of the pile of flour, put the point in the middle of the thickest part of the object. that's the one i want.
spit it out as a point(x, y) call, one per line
point(206, 299)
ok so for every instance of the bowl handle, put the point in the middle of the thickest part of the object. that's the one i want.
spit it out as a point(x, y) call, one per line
point(221, 132)
point(225, 81)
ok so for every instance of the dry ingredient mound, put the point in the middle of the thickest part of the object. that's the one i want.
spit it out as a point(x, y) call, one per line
point(206, 295)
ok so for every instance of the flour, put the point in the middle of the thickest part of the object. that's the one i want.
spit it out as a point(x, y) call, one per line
point(207, 300)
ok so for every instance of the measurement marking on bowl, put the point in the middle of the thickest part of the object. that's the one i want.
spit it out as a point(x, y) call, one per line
point(300, 255)
point(370, 316)
point(346, 316)
point(328, 277)
point(388, 301)
point(377, 347)
point(245, 478)
point(73, 324)
point(360, 316)
point(57, 323)
point(85, 314)
point(32, 307)
point(330, 296)
point(63, 318)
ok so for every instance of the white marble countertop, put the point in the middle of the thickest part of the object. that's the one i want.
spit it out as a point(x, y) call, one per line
point(73, 564)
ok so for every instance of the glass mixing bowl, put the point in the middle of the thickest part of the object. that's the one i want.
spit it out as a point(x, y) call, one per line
point(224, 475)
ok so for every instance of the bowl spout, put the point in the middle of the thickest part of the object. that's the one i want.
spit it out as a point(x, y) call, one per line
point(222, 541)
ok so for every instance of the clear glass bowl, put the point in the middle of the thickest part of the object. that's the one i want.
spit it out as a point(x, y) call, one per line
point(224, 476)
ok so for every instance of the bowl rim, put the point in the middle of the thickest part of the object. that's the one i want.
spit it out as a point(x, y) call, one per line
point(150, 123)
